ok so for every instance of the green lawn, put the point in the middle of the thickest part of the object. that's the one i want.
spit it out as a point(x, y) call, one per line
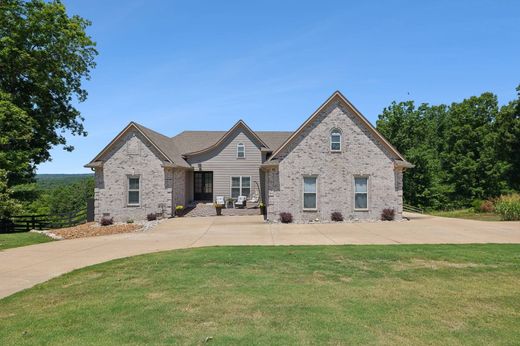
point(400, 294)
point(10, 240)
point(467, 214)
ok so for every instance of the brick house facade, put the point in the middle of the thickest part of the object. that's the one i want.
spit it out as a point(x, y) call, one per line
point(334, 162)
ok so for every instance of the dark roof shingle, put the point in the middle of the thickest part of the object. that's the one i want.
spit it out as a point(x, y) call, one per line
point(165, 144)
point(192, 141)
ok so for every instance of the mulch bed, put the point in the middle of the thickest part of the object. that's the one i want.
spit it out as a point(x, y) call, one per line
point(92, 229)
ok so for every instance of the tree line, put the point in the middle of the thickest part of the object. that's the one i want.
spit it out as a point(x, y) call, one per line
point(462, 152)
point(55, 194)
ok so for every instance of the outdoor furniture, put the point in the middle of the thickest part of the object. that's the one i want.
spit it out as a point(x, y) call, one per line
point(254, 199)
point(230, 202)
point(241, 202)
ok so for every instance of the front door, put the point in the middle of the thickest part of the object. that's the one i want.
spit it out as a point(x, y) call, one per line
point(203, 189)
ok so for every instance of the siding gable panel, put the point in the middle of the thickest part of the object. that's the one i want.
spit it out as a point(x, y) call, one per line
point(224, 164)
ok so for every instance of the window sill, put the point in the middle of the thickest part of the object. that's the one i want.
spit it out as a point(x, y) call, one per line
point(133, 205)
point(241, 158)
point(364, 210)
point(310, 209)
point(336, 151)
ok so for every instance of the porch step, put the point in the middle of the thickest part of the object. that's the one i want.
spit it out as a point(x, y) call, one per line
point(207, 209)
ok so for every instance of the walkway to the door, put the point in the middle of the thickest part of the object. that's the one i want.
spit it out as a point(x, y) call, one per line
point(207, 209)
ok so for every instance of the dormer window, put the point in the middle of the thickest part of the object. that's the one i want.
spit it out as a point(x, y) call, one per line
point(335, 140)
point(241, 151)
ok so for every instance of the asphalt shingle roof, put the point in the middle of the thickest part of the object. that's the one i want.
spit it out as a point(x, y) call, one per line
point(192, 141)
point(165, 144)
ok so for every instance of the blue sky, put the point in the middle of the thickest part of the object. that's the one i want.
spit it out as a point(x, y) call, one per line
point(194, 65)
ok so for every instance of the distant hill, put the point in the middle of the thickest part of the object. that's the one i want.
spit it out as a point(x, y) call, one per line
point(51, 181)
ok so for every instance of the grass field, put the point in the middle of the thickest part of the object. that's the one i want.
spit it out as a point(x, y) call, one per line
point(10, 240)
point(405, 295)
point(467, 214)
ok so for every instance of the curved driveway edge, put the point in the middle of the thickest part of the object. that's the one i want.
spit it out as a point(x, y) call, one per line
point(24, 267)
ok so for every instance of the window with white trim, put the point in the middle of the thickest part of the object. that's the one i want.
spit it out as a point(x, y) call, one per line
point(361, 193)
point(241, 151)
point(134, 197)
point(335, 140)
point(309, 193)
point(240, 186)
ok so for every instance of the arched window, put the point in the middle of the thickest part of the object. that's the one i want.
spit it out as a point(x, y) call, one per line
point(335, 140)
point(241, 151)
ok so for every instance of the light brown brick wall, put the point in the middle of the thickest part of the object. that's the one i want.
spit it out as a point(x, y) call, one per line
point(132, 155)
point(309, 154)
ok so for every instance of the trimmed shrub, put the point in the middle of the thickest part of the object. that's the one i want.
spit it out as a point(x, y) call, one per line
point(336, 216)
point(476, 205)
point(151, 217)
point(106, 221)
point(480, 206)
point(508, 207)
point(388, 214)
point(286, 217)
point(129, 221)
point(487, 207)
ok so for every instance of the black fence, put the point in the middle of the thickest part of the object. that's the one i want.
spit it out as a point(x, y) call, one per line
point(25, 223)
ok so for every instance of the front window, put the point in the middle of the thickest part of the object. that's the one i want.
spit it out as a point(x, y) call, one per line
point(241, 151)
point(309, 193)
point(133, 191)
point(335, 140)
point(240, 186)
point(361, 193)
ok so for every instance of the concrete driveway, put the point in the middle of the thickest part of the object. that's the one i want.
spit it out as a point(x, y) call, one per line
point(25, 267)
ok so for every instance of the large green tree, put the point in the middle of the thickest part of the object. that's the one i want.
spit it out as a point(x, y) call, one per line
point(507, 129)
point(415, 132)
point(468, 151)
point(45, 55)
point(16, 134)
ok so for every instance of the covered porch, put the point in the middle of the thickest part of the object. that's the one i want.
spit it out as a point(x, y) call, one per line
point(197, 186)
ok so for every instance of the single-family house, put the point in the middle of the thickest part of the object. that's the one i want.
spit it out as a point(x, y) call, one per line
point(336, 161)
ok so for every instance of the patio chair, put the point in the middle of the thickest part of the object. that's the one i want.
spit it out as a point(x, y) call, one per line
point(220, 200)
point(241, 202)
point(254, 199)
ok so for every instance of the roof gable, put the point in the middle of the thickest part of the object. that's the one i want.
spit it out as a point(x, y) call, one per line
point(239, 125)
point(160, 142)
point(336, 97)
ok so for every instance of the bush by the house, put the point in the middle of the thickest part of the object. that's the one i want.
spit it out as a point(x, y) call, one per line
point(106, 221)
point(480, 206)
point(508, 207)
point(336, 216)
point(388, 214)
point(151, 217)
point(286, 217)
point(476, 205)
point(179, 210)
point(129, 221)
point(487, 207)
